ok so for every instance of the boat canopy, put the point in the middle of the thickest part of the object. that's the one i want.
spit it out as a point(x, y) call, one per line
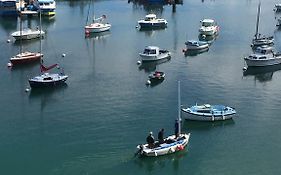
point(207, 22)
point(150, 17)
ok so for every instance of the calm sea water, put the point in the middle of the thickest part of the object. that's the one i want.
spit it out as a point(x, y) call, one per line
point(92, 125)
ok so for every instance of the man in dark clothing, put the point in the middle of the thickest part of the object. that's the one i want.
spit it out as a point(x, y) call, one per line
point(161, 136)
point(150, 140)
point(177, 128)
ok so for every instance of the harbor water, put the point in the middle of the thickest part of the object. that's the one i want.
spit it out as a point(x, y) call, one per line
point(93, 124)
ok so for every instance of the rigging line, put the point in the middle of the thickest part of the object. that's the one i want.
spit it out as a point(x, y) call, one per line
point(88, 13)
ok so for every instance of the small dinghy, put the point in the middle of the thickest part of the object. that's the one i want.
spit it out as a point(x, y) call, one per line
point(207, 112)
point(171, 144)
point(155, 78)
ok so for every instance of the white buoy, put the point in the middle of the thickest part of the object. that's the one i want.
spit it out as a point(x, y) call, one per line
point(137, 27)
point(63, 55)
point(8, 41)
point(27, 90)
point(139, 62)
point(9, 64)
point(244, 68)
point(148, 82)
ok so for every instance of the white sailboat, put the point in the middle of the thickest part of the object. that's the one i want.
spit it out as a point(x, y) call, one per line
point(97, 25)
point(26, 56)
point(260, 40)
point(172, 143)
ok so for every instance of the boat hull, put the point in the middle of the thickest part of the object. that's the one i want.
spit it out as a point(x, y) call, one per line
point(37, 84)
point(148, 58)
point(96, 29)
point(153, 25)
point(165, 148)
point(27, 36)
point(196, 117)
point(24, 58)
point(262, 62)
point(207, 112)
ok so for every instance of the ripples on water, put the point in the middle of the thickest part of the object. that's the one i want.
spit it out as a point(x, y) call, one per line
point(92, 125)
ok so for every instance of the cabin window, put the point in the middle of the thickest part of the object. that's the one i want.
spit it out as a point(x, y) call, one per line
point(207, 24)
point(204, 111)
point(262, 57)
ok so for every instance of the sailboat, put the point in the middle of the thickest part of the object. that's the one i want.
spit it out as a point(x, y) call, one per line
point(27, 34)
point(97, 25)
point(172, 143)
point(24, 57)
point(47, 79)
point(260, 40)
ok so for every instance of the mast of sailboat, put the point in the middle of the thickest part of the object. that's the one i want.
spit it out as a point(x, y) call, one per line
point(258, 20)
point(179, 107)
point(40, 28)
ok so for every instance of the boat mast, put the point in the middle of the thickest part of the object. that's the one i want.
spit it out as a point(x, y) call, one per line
point(40, 28)
point(258, 20)
point(88, 13)
point(179, 107)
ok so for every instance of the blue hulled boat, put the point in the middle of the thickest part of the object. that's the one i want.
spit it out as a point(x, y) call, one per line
point(207, 112)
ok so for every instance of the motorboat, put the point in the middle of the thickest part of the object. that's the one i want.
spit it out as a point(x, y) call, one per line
point(155, 78)
point(263, 56)
point(47, 79)
point(277, 7)
point(27, 34)
point(98, 25)
point(207, 112)
point(47, 7)
point(151, 21)
point(208, 27)
point(260, 40)
point(196, 45)
point(25, 57)
point(154, 53)
point(171, 144)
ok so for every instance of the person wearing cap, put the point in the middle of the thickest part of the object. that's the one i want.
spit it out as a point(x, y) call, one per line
point(150, 140)
point(161, 136)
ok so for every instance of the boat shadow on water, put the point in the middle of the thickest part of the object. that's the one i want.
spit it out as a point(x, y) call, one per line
point(262, 73)
point(152, 65)
point(47, 94)
point(152, 163)
point(199, 125)
point(97, 36)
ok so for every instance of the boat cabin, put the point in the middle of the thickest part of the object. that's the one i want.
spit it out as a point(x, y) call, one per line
point(208, 22)
point(264, 50)
point(151, 50)
point(150, 17)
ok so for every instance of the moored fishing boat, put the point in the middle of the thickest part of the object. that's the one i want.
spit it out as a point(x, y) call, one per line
point(48, 7)
point(263, 56)
point(151, 21)
point(196, 45)
point(207, 112)
point(208, 27)
point(154, 53)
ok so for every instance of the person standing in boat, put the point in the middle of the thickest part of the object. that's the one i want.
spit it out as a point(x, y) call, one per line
point(161, 136)
point(150, 140)
point(177, 124)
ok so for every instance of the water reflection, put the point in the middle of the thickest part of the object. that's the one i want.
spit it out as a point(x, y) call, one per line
point(98, 36)
point(199, 125)
point(9, 23)
point(151, 66)
point(47, 94)
point(262, 74)
point(149, 164)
